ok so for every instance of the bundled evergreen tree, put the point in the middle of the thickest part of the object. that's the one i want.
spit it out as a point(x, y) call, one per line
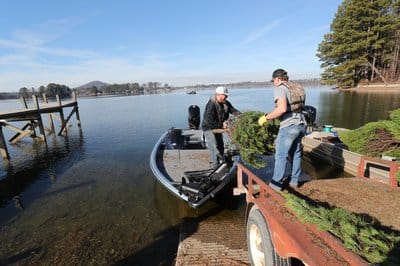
point(361, 43)
point(376, 138)
point(254, 140)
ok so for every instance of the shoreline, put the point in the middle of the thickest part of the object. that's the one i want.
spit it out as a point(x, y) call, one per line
point(394, 87)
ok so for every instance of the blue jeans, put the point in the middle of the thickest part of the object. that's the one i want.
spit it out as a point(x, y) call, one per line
point(288, 145)
point(215, 144)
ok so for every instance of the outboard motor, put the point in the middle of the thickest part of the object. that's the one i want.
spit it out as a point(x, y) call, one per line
point(194, 117)
point(310, 113)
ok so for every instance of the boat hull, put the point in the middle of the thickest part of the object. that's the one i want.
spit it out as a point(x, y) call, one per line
point(180, 161)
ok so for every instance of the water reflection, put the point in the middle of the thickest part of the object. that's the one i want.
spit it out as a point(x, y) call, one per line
point(352, 110)
point(41, 168)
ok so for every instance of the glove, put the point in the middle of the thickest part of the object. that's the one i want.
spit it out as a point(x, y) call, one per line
point(262, 120)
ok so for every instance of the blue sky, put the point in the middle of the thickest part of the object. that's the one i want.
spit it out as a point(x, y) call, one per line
point(175, 42)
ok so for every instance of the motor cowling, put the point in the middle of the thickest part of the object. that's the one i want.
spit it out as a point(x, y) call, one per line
point(310, 113)
point(194, 117)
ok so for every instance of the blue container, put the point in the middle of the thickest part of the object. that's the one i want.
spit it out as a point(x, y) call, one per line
point(328, 128)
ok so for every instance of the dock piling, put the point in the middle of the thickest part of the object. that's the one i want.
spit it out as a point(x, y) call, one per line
point(63, 123)
point(3, 146)
point(30, 124)
point(51, 123)
point(39, 119)
point(75, 99)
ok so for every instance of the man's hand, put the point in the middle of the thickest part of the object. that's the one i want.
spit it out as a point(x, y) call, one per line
point(262, 120)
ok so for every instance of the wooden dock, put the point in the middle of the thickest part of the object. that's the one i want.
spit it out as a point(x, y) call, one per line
point(33, 118)
point(318, 144)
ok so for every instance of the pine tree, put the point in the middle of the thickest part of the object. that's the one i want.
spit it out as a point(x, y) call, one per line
point(360, 44)
point(394, 68)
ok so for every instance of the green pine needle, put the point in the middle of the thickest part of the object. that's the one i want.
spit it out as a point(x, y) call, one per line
point(363, 238)
point(254, 140)
point(357, 140)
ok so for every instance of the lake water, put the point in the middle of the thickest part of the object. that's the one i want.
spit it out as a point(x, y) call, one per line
point(90, 197)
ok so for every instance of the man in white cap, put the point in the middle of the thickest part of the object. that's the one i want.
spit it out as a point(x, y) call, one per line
point(215, 116)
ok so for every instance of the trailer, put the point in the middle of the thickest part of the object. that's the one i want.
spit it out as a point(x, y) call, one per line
point(276, 236)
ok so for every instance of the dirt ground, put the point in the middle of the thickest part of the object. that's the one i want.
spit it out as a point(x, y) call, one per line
point(374, 200)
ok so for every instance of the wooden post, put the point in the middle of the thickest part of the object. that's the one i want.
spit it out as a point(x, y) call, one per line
point(75, 99)
point(63, 124)
point(39, 118)
point(31, 124)
point(23, 101)
point(50, 115)
point(3, 146)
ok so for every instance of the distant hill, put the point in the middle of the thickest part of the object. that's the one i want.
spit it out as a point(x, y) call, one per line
point(96, 83)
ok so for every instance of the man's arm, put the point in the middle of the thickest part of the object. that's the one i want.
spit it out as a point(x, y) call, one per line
point(280, 109)
point(232, 110)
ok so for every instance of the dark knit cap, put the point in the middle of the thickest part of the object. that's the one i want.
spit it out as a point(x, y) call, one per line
point(279, 73)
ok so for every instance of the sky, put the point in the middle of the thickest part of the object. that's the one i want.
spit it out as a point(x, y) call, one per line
point(173, 42)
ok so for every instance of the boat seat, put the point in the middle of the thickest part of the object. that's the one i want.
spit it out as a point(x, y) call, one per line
point(194, 139)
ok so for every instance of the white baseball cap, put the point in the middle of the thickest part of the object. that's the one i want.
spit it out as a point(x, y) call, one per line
point(222, 90)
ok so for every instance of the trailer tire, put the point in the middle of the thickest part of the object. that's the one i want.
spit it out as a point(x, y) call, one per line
point(260, 247)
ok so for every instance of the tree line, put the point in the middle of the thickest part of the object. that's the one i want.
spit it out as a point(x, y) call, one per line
point(126, 89)
point(53, 89)
point(363, 44)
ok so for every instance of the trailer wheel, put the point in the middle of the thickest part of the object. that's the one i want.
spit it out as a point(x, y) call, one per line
point(259, 243)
